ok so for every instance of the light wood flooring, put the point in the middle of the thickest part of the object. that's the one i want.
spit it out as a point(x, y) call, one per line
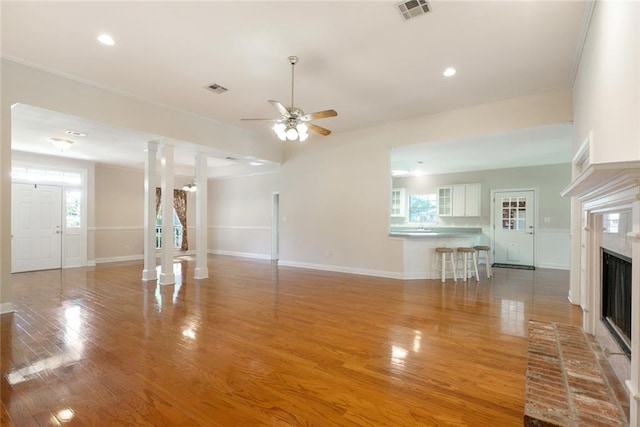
point(260, 345)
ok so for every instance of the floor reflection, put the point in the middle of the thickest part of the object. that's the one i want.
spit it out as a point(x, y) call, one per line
point(71, 353)
point(403, 339)
point(512, 317)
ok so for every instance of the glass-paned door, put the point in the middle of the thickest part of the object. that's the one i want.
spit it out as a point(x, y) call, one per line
point(513, 238)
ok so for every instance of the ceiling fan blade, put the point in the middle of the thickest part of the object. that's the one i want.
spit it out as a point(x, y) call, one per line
point(319, 129)
point(264, 120)
point(319, 115)
point(281, 108)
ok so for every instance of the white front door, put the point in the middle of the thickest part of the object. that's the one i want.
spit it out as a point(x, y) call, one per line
point(36, 227)
point(513, 238)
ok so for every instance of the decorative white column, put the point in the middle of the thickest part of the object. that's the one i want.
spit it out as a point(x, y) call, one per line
point(201, 270)
point(150, 178)
point(167, 276)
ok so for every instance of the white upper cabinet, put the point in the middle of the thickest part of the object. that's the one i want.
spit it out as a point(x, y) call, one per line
point(459, 200)
point(444, 201)
point(398, 201)
point(472, 200)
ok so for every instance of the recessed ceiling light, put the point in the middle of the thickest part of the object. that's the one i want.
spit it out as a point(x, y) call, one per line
point(448, 72)
point(256, 163)
point(106, 39)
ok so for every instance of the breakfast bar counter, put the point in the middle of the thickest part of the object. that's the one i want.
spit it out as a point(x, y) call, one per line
point(420, 243)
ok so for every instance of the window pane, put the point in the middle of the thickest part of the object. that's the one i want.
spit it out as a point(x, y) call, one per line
point(73, 200)
point(423, 208)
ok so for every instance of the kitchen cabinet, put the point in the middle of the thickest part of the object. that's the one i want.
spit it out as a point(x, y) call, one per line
point(444, 201)
point(398, 202)
point(459, 200)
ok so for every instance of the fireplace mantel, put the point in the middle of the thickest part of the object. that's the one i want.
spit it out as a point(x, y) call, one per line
point(606, 184)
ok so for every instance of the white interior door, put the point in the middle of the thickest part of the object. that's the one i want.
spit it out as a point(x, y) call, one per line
point(513, 239)
point(36, 227)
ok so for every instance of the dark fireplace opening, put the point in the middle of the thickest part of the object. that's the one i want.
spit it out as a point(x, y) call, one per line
point(616, 297)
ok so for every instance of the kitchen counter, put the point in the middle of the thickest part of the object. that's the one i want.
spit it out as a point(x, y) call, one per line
point(419, 246)
point(434, 231)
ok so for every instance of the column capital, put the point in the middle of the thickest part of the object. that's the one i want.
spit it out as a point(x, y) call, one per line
point(152, 145)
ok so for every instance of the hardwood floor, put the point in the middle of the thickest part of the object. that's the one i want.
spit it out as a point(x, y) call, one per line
point(259, 345)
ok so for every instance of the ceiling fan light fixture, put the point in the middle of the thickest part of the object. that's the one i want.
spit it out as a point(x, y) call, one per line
point(301, 128)
point(279, 129)
point(292, 133)
point(190, 186)
point(292, 124)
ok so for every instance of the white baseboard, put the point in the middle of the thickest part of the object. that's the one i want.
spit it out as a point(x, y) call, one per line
point(139, 257)
point(240, 254)
point(6, 307)
point(119, 259)
point(91, 263)
point(553, 266)
point(340, 269)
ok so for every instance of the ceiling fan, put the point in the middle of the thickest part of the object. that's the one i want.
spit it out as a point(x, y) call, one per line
point(293, 122)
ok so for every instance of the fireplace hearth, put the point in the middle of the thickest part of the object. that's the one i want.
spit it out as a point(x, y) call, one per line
point(616, 297)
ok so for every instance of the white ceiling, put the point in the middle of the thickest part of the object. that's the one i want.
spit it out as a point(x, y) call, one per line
point(359, 58)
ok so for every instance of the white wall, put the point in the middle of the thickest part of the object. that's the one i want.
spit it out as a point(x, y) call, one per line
point(239, 215)
point(119, 219)
point(606, 92)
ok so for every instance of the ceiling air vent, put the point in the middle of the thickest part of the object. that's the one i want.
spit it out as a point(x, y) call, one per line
point(217, 88)
point(412, 8)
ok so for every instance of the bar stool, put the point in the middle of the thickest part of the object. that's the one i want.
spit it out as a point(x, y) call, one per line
point(467, 256)
point(484, 255)
point(441, 263)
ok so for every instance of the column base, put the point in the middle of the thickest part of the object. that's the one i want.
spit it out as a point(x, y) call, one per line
point(167, 279)
point(149, 275)
point(201, 273)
